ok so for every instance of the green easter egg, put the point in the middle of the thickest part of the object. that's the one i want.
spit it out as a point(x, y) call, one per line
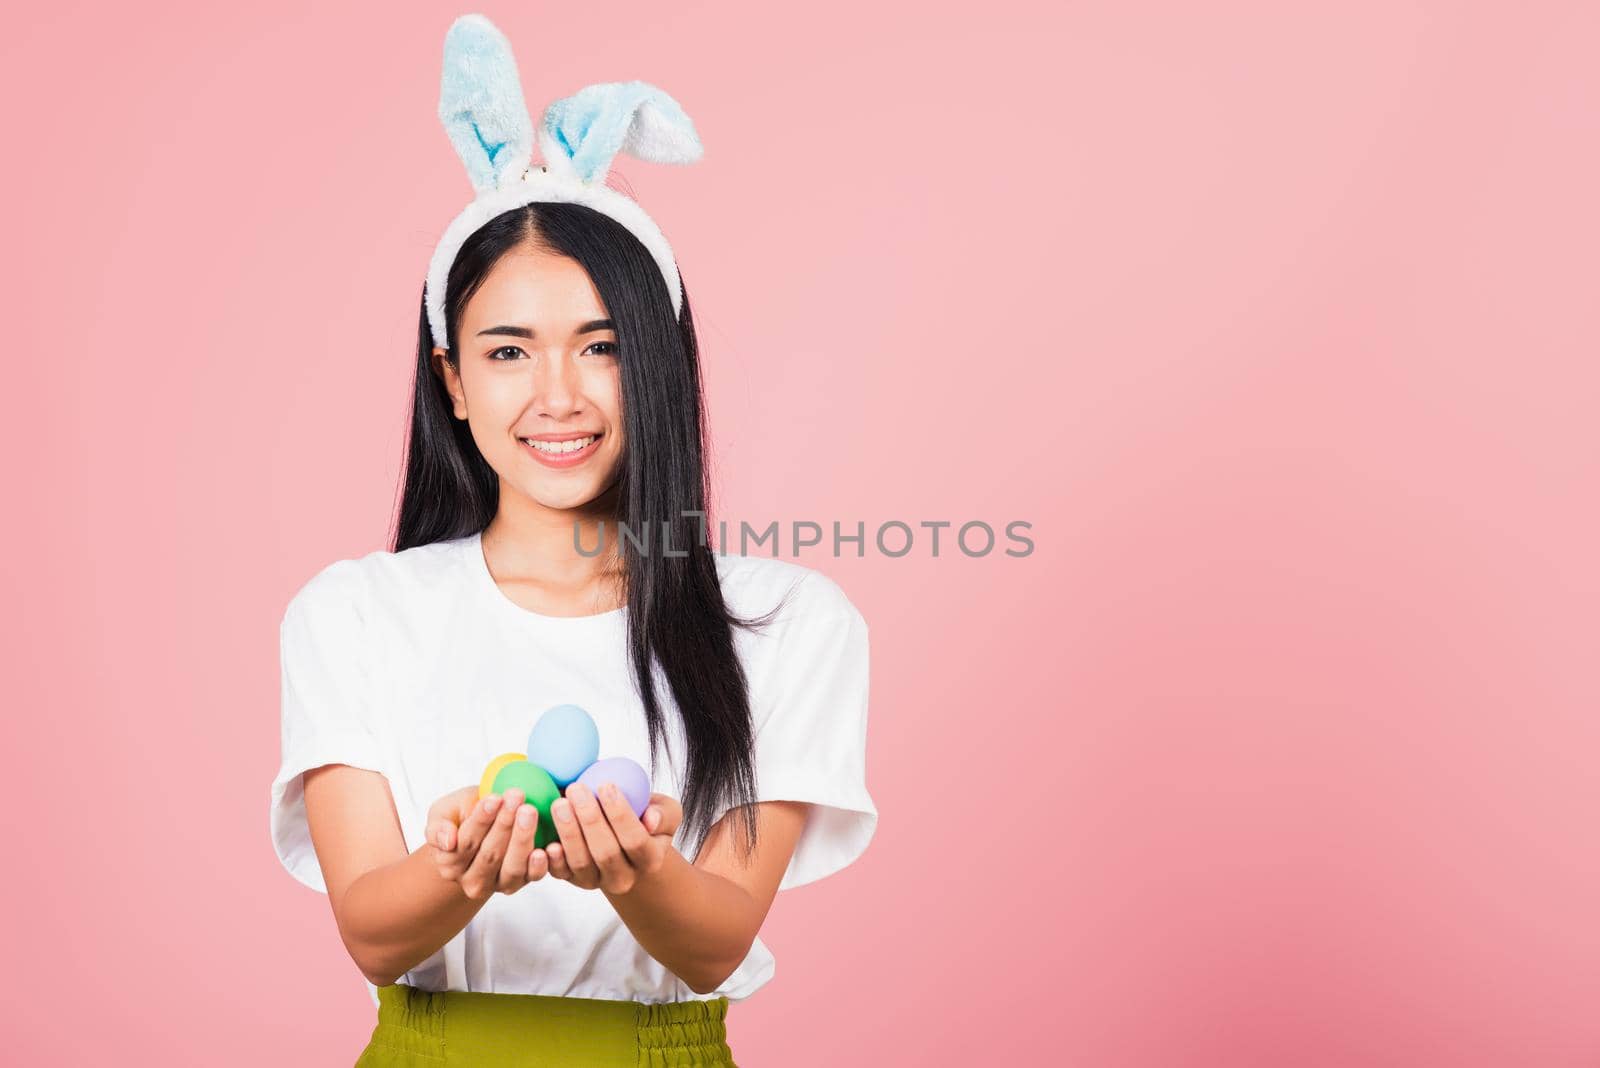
point(538, 789)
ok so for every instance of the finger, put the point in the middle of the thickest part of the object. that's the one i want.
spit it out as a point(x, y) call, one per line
point(442, 834)
point(457, 805)
point(605, 852)
point(538, 865)
point(557, 857)
point(446, 815)
point(454, 806)
point(574, 848)
point(633, 839)
point(470, 836)
point(514, 871)
point(476, 826)
point(671, 814)
point(483, 874)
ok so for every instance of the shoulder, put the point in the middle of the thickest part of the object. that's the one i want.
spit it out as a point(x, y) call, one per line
point(808, 667)
point(362, 586)
point(755, 585)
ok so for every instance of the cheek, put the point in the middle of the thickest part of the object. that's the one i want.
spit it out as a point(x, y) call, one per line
point(489, 412)
point(603, 387)
point(482, 392)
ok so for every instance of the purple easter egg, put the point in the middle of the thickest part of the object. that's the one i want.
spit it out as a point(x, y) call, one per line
point(626, 775)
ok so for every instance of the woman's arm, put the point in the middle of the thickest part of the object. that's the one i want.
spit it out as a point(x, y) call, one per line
point(699, 919)
point(392, 908)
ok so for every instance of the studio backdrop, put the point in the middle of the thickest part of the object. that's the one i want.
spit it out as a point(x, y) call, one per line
point(1195, 402)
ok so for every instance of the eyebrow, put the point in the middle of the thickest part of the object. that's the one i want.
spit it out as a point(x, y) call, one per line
point(525, 332)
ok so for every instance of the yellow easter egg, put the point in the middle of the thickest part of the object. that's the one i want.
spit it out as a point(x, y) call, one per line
point(486, 784)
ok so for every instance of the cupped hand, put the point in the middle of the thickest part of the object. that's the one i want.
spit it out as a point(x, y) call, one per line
point(487, 846)
point(603, 844)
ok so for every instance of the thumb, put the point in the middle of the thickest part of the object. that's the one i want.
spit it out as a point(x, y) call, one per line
point(466, 799)
point(442, 834)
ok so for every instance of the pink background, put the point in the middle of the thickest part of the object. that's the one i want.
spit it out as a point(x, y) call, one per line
point(1278, 326)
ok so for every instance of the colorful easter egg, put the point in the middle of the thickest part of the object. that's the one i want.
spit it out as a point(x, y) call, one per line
point(564, 742)
point(626, 775)
point(538, 789)
point(486, 784)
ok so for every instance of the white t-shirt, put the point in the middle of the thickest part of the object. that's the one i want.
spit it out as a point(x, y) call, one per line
point(416, 665)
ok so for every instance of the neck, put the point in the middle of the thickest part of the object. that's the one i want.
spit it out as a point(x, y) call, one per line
point(534, 542)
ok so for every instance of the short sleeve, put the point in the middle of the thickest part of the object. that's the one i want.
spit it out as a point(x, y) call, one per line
point(325, 699)
point(811, 728)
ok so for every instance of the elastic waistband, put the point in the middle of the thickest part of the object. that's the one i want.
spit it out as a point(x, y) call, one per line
point(457, 1026)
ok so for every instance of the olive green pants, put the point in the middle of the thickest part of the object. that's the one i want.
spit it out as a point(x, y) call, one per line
point(425, 1029)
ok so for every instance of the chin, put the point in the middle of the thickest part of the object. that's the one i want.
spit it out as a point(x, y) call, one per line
point(566, 490)
point(563, 497)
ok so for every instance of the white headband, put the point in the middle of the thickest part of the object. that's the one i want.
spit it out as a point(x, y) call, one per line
point(481, 106)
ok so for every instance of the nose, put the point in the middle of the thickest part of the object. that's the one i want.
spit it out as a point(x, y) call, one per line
point(555, 385)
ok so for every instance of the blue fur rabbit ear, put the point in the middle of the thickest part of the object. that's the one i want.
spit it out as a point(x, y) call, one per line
point(481, 105)
point(592, 125)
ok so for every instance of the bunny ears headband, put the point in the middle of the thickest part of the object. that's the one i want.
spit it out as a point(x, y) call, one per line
point(481, 106)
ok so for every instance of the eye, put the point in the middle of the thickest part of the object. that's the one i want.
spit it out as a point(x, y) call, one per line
point(495, 355)
point(608, 348)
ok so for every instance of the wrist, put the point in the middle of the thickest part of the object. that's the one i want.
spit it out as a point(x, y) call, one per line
point(450, 889)
point(654, 881)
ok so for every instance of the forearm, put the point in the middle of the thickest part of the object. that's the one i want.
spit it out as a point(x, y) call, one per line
point(397, 916)
point(697, 924)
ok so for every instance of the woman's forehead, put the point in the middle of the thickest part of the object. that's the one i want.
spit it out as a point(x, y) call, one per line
point(538, 290)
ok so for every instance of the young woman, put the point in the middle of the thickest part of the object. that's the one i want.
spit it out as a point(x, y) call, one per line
point(562, 402)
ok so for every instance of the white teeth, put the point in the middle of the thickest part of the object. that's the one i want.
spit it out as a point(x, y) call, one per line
point(558, 447)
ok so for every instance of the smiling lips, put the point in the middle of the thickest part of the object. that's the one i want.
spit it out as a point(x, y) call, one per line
point(562, 450)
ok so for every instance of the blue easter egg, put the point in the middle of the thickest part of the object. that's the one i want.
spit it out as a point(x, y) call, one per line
point(564, 742)
point(626, 775)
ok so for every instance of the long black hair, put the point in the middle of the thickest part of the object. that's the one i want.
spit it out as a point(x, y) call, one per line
point(676, 616)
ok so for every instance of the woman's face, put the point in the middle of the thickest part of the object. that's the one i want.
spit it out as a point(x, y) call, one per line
point(537, 370)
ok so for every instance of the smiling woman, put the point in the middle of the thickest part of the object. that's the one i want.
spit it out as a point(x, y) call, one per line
point(566, 352)
point(557, 388)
